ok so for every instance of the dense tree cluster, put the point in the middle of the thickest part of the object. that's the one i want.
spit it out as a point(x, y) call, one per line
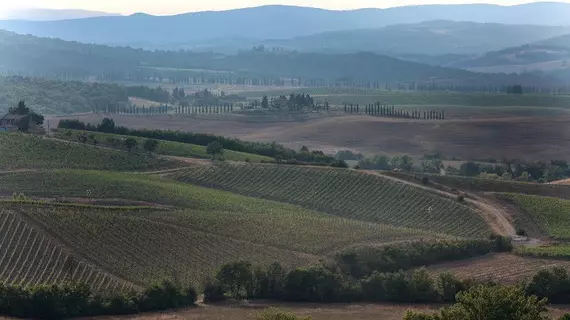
point(77, 300)
point(363, 262)
point(343, 280)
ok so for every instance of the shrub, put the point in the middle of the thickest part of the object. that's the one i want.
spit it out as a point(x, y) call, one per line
point(213, 291)
point(274, 314)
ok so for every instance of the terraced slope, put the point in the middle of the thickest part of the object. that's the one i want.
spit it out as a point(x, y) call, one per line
point(22, 151)
point(345, 193)
point(28, 256)
point(169, 148)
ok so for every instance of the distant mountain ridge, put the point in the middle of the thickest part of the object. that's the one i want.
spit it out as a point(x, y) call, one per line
point(430, 38)
point(54, 14)
point(277, 22)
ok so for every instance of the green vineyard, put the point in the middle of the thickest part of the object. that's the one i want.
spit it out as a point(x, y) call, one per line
point(186, 231)
point(31, 257)
point(550, 214)
point(345, 193)
point(31, 152)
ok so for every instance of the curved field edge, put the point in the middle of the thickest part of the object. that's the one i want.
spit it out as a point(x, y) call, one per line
point(31, 256)
point(23, 151)
point(549, 214)
point(168, 148)
point(345, 193)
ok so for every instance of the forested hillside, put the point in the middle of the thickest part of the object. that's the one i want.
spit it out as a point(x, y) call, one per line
point(27, 55)
point(56, 97)
point(429, 38)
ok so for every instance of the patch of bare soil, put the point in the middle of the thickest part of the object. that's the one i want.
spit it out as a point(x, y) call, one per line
point(249, 311)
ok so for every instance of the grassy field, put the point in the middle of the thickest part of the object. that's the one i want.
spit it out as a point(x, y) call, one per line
point(168, 148)
point(206, 228)
point(550, 214)
point(561, 251)
point(31, 257)
point(21, 151)
point(363, 96)
point(344, 193)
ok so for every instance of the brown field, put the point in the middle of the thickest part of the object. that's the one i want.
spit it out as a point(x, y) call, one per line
point(532, 138)
point(316, 311)
point(504, 268)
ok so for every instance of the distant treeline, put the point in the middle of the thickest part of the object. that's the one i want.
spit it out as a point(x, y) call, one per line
point(378, 109)
point(517, 170)
point(540, 171)
point(273, 150)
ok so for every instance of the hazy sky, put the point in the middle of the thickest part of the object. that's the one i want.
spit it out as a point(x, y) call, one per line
point(180, 6)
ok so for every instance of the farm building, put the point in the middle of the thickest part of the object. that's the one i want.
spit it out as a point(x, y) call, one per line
point(10, 122)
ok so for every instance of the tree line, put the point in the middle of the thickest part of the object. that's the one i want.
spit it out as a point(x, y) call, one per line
point(378, 109)
point(69, 300)
point(273, 150)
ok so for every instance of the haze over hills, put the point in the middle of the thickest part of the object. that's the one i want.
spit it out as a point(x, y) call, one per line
point(550, 55)
point(31, 55)
point(277, 22)
point(52, 14)
point(432, 38)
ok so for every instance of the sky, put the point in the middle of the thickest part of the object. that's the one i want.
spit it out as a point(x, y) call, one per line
point(165, 7)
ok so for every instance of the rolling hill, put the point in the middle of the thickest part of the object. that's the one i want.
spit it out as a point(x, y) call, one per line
point(344, 193)
point(68, 60)
point(20, 151)
point(40, 14)
point(427, 38)
point(293, 22)
point(206, 228)
point(548, 55)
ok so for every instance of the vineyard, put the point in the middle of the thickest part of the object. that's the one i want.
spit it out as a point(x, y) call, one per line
point(169, 148)
point(143, 245)
point(30, 257)
point(550, 214)
point(561, 252)
point(503, 268)
point(345, 193)
point(31, 152)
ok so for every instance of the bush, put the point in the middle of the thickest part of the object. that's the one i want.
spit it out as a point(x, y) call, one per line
point(274, 314)
point(461, 197)
point(213, 291)
point(490, 303)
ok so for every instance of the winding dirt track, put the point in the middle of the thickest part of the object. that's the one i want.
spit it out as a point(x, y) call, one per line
point(496, 218)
